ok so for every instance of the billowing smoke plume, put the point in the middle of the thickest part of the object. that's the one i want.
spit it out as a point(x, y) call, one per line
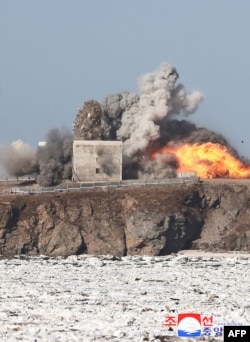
point(144, 121)
point(50, 163)
point(158, 98)
point(139, 119)
point(113, 107)
point(54, 158)
point(18, 159)
point(161, 167)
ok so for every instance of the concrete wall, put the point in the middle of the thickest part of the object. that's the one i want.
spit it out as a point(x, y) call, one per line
point(185, 174)
point(97, 160)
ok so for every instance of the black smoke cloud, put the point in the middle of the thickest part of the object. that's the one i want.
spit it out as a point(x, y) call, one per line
point(55, 158)
point(143, 121)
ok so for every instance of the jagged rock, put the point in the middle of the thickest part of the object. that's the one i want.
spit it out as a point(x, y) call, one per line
point(238, 238)
point(146, 233)
point(63, 240)
point(145, 220)
point(6, 215)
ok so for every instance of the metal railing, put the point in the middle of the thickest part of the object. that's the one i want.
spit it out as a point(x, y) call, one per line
point(102, 185)
point(11, 179)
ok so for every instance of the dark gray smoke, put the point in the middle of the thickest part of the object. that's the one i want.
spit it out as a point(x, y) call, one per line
point(51, 163)
point(106, 162)
point(145, 121)
point(113, 107)
point(182, 131)
point(160, 167)
point(55, 158)
point(140, 120)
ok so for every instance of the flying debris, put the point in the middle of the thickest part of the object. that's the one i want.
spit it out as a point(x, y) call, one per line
point(139, 120)
point(87, 125)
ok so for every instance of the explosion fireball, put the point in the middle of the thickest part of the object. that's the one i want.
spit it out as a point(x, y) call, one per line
point(157, 142)
point(208, 160)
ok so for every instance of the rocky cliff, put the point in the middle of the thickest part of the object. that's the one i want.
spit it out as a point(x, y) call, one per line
point(145, 220)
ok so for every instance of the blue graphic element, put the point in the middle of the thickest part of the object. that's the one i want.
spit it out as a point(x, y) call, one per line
point(188, 333)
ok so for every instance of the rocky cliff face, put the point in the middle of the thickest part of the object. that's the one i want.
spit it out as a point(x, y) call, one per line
point(145, 220)
point(226, 209)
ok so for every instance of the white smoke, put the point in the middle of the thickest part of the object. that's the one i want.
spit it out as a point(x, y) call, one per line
point(158, 97)
point(18, 158)
point(143, 121)
point(51, 161)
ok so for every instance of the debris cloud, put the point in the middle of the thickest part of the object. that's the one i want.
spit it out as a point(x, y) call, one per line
point(150, 123)
point(50, 163)
point(159, 97)
point(55, 158)
point(18, 159)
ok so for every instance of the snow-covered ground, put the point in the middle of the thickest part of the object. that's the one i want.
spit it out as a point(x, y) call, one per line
point(88, 298)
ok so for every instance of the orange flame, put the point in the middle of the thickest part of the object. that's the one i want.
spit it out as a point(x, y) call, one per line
point(207, 160)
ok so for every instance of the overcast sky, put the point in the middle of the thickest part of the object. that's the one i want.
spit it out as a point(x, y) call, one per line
point(56, 54)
